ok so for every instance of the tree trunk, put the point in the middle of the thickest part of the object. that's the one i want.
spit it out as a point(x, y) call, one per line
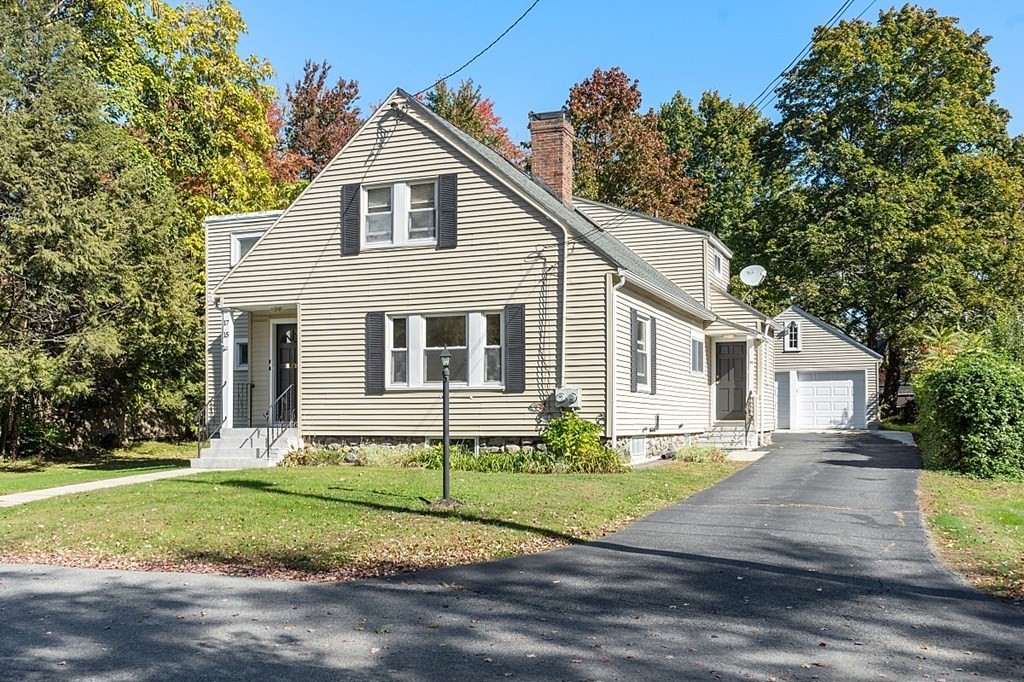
point(893, 378)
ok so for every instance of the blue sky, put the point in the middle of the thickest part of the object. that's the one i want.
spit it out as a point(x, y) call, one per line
point(734, 47)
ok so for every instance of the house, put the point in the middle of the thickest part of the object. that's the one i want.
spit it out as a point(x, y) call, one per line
point(326, 321)
point(823, 378)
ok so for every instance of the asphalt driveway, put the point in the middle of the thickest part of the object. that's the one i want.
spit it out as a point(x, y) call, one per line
point(811, 563)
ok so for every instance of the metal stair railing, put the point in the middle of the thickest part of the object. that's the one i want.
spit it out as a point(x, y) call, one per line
point(206, 421)
point(281, 416)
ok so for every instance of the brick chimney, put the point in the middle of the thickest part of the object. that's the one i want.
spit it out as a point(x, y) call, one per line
point(551, 143)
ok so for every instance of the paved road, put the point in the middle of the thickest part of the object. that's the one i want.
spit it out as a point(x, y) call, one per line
point(811, 563)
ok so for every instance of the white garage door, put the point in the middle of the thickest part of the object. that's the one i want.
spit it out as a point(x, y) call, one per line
point(830, 400)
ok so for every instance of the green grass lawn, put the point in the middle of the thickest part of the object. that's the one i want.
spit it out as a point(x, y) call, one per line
point(33, 474)
point(978, 526)
point(336, 523)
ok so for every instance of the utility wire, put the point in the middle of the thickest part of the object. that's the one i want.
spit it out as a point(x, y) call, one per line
point(763, 95)
point(774, 96)
point(481, 52)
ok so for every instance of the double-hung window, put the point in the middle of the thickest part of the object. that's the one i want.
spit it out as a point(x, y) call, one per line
point(403, 213)
point(440, 332)
point(792, 341)
point(696, 354)
point(643, 353)
point(475, 341)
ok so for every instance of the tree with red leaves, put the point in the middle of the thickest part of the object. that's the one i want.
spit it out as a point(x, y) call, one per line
point(468, 110)
point(320, 119)
point(621, 158)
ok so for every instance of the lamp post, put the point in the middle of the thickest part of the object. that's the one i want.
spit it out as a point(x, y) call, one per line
point(446, 361)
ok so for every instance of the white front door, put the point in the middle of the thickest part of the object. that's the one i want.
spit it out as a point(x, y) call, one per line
point(830, 400)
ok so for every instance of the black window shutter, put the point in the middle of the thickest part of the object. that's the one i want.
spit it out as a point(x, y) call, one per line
point(654, 356)
point(515, 348)
point(374, 353)
point(350, 220)
point(632, 349)
point(447, 211)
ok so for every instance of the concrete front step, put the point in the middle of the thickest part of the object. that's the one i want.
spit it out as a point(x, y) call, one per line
point(232, 463)
point(232, 453)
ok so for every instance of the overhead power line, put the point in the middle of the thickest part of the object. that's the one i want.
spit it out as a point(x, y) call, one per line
point(758, 102)
point(481, 52)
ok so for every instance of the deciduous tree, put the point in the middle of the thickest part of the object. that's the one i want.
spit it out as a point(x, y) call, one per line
point(320, 118)
point(908, 213)
point(466, 108)
point(621, 158)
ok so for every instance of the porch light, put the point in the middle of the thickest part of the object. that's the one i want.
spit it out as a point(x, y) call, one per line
point(446, 358)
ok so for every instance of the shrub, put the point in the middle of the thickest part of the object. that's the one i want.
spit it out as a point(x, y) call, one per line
point(577, 443)
point(312, 457)
point(972, 416)
point(526, 461)
point(701, 453)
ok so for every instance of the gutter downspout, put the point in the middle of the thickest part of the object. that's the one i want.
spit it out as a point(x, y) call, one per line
point(612, 327)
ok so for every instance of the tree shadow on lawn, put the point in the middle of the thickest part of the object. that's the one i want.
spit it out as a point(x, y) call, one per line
point(453, 513)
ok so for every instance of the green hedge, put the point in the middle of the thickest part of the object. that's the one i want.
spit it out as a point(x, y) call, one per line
point(972, 416)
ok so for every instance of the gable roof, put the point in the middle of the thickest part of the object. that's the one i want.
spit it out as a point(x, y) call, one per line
point(838, 333)
point(583, 229)
point(743, 305)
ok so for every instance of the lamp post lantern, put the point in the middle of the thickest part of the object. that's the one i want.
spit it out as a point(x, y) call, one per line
point(446, 361)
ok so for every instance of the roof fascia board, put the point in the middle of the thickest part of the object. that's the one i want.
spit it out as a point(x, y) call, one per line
point(640, 283)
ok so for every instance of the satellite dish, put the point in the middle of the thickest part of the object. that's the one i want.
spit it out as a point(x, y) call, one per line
point(752, 275)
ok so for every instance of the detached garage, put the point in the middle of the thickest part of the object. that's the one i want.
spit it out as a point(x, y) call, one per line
point(823, 378)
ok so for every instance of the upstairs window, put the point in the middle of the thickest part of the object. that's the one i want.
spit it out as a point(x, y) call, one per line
point(422, 217)
point(379, 225)
point(792, 340)
point(404, 213)
point(242, 243)
point(718, 262)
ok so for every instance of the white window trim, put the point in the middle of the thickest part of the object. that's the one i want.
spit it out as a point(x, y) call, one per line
point(400, 203)
point(786, 347)
point(719, 261)
point(694, 336)
point(238, 364)
point(415, 340)
point(644, 385)
point(236, 250)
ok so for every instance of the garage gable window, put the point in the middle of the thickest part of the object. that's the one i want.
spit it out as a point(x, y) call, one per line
point(792, 338)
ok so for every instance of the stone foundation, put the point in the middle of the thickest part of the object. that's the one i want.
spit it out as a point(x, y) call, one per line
point(657, 446)
point(489, 444)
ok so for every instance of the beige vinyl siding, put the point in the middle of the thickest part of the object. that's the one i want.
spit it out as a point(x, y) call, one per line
point(726, 307)
point(586, 341)
point(721, 279)
point(675, 251)
point(768, 392)
point(218, 231)
point(822, 350)
point(507, 253)
point(680, 404)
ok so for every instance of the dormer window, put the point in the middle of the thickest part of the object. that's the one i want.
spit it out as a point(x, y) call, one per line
point(792, 340)
point(400, 214)
point(718, 262)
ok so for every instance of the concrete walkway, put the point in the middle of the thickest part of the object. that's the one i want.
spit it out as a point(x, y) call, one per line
point(15, 499)
point(810, 564)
